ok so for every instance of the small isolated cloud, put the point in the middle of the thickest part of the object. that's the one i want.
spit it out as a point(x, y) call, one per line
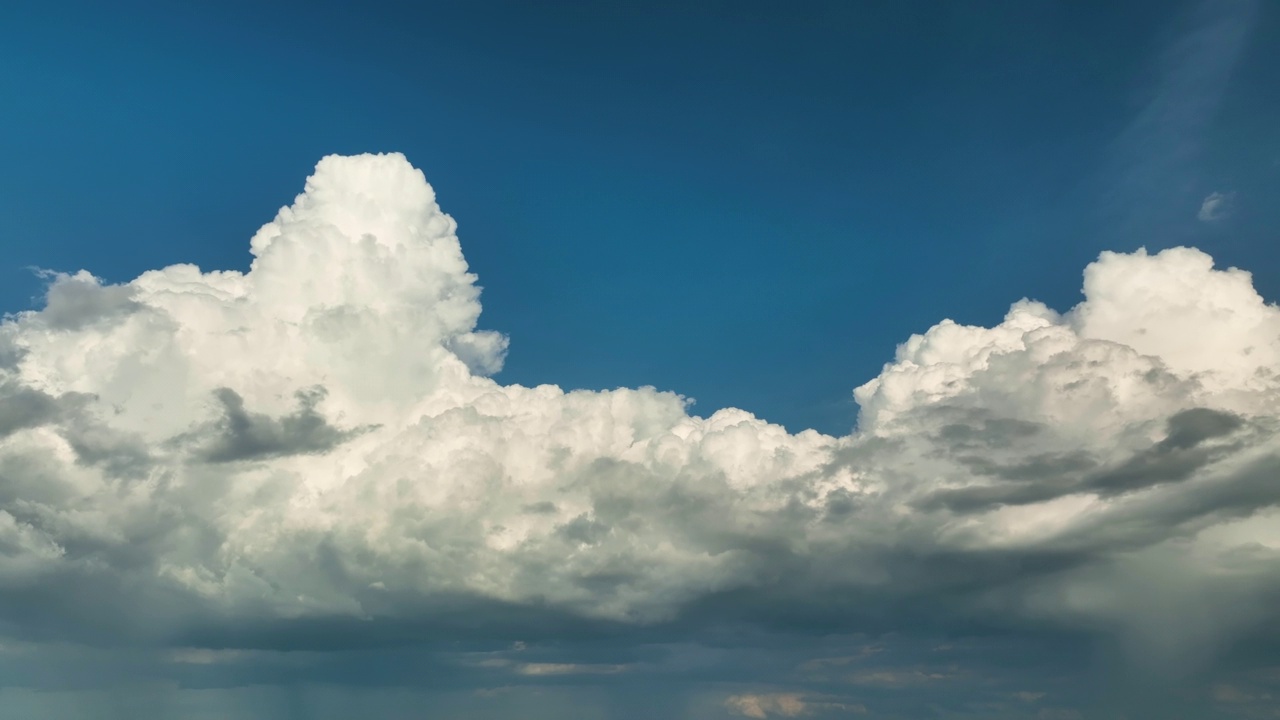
point(543, 669)
point(1216, 206)
point(204, 656)
point(898, 677)
point(765, 705)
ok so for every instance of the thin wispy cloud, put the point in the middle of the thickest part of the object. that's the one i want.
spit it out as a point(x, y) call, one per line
point(1216, 206)
point(1156, 157)
point(765, 705)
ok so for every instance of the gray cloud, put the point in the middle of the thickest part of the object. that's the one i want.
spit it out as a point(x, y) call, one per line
point(244, 435)
point(1048, 476)
point(76, 301)
point(23, 407)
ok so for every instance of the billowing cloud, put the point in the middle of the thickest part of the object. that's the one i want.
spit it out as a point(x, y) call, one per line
point(1216, 206)
point(313, 454)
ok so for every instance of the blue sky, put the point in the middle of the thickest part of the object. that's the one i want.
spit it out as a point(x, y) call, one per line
point(294, 491)
point(690, 195)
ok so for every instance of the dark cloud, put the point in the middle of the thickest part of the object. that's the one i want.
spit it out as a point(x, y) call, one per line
point(23, 407)
point(120, 455)
point(1044, 477)
point(76, 301)
point(245, 435)
point(1191, 427)
point(987, 432)
point(10, 353)
point(1045, 467)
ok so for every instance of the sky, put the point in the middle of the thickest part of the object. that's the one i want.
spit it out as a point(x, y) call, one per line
point(892, 360)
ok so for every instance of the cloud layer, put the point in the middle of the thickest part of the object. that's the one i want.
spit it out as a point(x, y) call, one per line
point(316, 449)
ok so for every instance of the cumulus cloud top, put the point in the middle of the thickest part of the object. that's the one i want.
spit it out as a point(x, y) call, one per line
point(317, 442)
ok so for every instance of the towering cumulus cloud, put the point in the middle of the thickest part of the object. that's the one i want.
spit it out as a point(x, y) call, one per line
point(215, 458)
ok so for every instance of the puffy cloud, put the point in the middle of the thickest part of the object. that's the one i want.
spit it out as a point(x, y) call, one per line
point(313, 452)
point(1216, 206)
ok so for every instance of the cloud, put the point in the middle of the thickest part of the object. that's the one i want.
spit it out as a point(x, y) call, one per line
point(73, 302)
point(766, 705)
point(313, 455)
point(790, 704)
point(568, 669)
point(1216, 206)
point(1176, 457)
point(241, 435)
point(1156, 158)
point(22, 407)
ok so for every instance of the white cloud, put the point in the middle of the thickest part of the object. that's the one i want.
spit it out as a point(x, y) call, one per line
point(318, 439)
point(1216, 206)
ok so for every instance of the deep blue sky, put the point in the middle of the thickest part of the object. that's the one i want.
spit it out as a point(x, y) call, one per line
point(745, 202)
